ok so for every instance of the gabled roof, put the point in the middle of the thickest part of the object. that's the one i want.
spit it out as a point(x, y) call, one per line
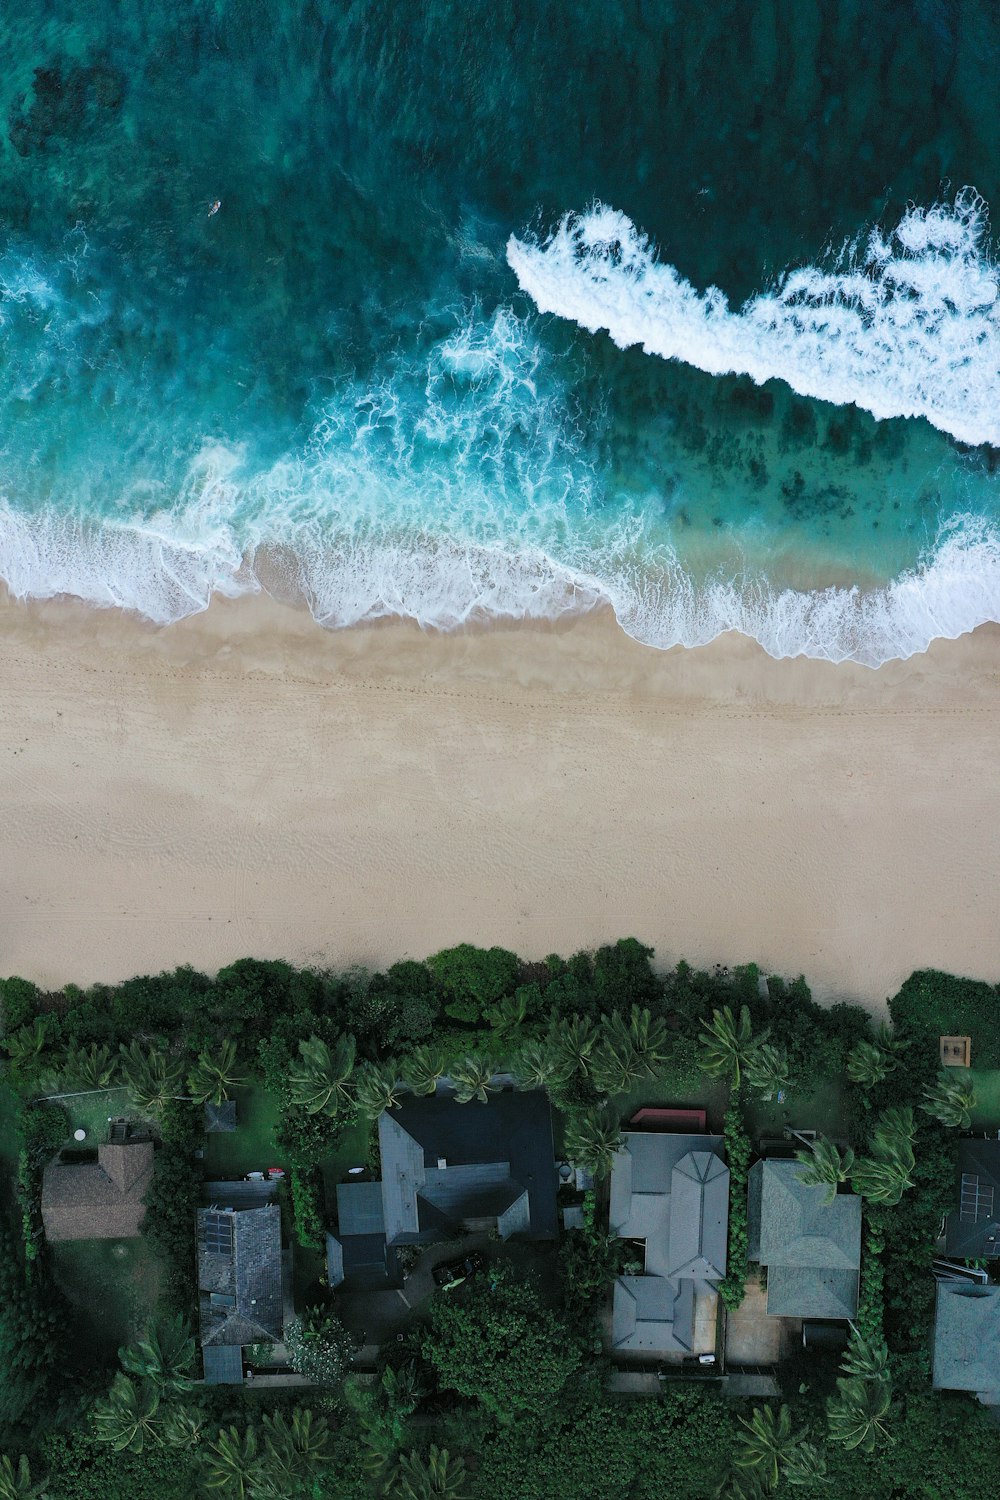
point(239, 1275)
point(699, 1217)
point(444, 1163)
point(967, 1339)
point(684, 1234)
point(972, 1231)
point(651, 1314)
point(100, 1200)
point(812, 1248)
point(811, 1292)
point(798, 1227)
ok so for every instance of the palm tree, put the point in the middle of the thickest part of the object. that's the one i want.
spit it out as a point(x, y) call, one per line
point(824, 1165)
point(183, 1427)
point(16, 1482)
point(593, 1139)
point(766, 1069)
point(215, 1074)
point(473, 1078)
point(894, 1127)
point(163, 1356)
point(727, 1043)
point(867, 1064)
point(231, 1462)
point(423, 1068)
point(616, 1065)
point(292, 1451)
point(27, 1044)
point(768, 1445)
point(508, 1015)
point(90, 1067)
point(377, 1087)
point(806, 1466)
point(882, 1179)
point(402, 1392)
point(951, 1099)
point(320, 1083)
point(128, 1417)
point(573, 1042)
point(857, 1413)
point(151, 1077)
point(436, 1477)
point(540, 1065)
point(866, 1358)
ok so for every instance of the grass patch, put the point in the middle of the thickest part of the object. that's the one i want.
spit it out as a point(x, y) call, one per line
point(92, 1112)
point(986, 1115)
point(351, 1152)
point(10, 1107)
point(819, 1109)
point(250, 1147)
point(112, 1287)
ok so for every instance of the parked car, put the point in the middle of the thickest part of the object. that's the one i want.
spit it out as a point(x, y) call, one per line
point(452, 1273)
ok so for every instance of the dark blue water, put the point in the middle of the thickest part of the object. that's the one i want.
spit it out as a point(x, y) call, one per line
point(261, 325)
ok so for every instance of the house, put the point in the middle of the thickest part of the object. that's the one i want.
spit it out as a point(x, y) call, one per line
point(671, 1193)
point(972, 1230)
point(811, 1248)
point(240, 1292)
point(967, 1340)
point(448, 1168)
point(102, 1199)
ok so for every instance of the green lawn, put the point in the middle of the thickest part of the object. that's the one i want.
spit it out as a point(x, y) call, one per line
point(91, 1112)
point(352, 1152)
point(9, 1106)
point(819, 1109)
point(112, 1287)
point(986, 1115)
point(250, 1147)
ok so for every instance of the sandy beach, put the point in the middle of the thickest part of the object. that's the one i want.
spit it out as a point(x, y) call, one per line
point(245, 783)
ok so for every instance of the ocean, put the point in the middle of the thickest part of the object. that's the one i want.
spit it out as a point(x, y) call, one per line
point(463, 311)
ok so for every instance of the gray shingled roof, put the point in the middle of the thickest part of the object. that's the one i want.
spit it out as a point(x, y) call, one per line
point(812, 1248)
point(684, 1234)
point(101, 1200)
point(967, 1339)
point(239, 1275)
point(973, 1228)
point(653, 1315)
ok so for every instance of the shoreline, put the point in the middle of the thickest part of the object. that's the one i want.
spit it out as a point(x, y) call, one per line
point(244, 782)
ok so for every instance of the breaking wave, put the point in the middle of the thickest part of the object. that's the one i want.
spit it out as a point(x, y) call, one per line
point(905, 324)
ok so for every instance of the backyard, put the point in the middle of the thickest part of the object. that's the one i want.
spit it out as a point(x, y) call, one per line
point(112, 1287)
point(250, 1147)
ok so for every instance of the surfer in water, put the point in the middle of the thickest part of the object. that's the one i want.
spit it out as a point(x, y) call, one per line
point(214, 206)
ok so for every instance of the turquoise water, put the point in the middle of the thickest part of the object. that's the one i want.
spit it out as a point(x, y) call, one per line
point(289, 298)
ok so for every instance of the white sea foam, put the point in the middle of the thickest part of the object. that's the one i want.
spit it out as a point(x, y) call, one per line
point(459, 487)
point(906, 325)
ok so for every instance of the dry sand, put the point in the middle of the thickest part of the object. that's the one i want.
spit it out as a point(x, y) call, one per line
point(244, 783)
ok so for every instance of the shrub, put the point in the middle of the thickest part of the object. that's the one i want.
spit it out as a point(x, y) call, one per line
point(931, 1004)
point(473, 978)
point(319, 1346)
point(307, 1211)
point(20, 1003)
point(739, 1151)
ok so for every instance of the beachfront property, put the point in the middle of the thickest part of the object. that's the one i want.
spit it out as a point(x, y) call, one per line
point(88, 1197)
point(967, 1340)
point(811, 1247)
point(670, 1198)
point(243, 1291)
point(447, 1170)
point(972, 1229)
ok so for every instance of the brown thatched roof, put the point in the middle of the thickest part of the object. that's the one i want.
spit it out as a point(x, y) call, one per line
point(99, 1200)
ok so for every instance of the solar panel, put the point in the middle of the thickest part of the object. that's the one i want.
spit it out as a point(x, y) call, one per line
point(976, 1202)
point(218, 1233)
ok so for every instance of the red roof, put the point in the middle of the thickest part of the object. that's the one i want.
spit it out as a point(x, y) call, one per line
point(670, 1119)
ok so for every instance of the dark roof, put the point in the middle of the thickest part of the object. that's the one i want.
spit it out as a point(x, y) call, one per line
point(101, 1200)
point(444, 1163)
point(653, 1315)
point(812, 1248)
point(973, 1228)
point(220, 1119)
point(223, 1364)
point(967, 1339)
point(239, 1275)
